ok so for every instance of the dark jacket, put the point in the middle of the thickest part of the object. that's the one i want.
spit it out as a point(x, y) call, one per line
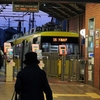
point(31, 83)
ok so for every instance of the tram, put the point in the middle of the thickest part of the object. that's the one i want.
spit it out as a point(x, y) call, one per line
point(48, 42)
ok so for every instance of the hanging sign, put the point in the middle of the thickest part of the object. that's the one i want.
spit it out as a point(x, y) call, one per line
point(26, 7)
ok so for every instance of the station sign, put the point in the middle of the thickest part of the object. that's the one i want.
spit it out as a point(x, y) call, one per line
point(23, 7)
point(64, 1)
point(20, 0)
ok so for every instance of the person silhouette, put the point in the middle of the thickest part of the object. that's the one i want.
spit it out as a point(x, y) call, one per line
point(31, 82)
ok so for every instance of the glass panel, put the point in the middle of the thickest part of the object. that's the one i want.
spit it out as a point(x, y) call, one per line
point(90, 44)
point(49, 47)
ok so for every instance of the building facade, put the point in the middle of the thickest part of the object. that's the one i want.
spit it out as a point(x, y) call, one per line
point(92, 45)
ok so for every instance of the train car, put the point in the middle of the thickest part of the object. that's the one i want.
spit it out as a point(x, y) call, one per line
point(48, 42)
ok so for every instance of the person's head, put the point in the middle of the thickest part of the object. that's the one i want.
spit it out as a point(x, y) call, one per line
point(31, 58)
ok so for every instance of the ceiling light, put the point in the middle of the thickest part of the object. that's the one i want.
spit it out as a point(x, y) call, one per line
point(44, 5)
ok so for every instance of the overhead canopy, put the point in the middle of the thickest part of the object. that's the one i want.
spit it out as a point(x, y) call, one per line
point(81, 1)
point(63, 11)
point(60, 9)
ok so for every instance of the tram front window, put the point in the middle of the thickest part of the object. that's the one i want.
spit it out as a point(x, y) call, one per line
point(45, 47)
point(71, 48)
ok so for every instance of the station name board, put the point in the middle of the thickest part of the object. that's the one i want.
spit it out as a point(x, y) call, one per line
point(34, 7)
point(21, 0)
point(81, 1)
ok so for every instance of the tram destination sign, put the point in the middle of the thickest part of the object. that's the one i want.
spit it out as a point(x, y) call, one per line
point(23, 7)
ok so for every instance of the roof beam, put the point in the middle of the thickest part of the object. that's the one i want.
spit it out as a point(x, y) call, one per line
point(50, 9)
point(61, 12)
point(69, 9)
point(60, 8)
point(80, 6)
point(52, 14)
point(73, 1)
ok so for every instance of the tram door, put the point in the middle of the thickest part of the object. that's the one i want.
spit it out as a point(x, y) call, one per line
point(25, 47)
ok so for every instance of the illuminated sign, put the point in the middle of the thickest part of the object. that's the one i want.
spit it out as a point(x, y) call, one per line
point(64, 1)
point(21, 0)
point(59, 39)
point(82, 32)
point(62, 50)
point(54, 39)
point(23, 7)
point(7, 46)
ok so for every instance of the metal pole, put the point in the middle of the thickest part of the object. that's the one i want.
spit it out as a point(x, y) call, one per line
point(23, 53)
point(47, 65)
point(62, 68)
point(33, 20)
point(69, 69)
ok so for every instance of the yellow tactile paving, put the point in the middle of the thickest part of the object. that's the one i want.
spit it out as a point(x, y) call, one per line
point(60, 91)
point(57, 95)
point(92, 95)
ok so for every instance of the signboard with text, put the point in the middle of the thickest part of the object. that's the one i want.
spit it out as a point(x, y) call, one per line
point(23, 7)
point(92, 1)
point(20, 0)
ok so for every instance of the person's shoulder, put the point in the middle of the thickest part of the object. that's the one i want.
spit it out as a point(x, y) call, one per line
point(21, 71)
point(43, 72)
point(19, 74)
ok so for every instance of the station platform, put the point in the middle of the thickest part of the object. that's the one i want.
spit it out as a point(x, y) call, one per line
point(62, 90)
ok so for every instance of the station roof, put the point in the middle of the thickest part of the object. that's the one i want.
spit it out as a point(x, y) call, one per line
point(61, 10)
